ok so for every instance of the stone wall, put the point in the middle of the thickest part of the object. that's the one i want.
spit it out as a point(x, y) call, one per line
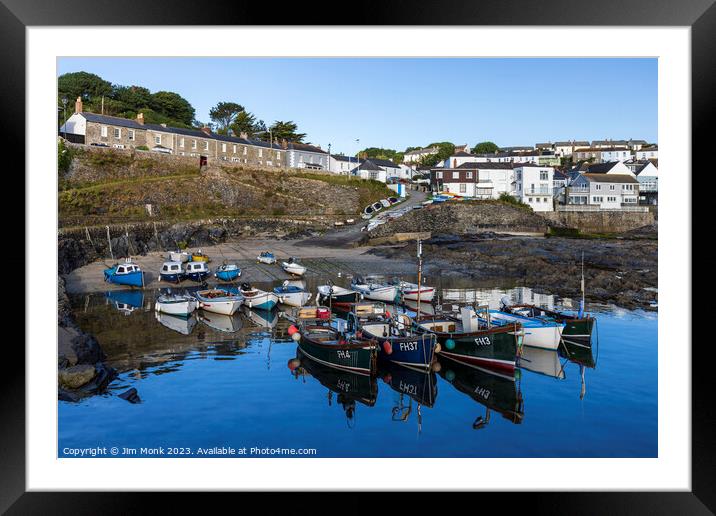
point(600, 221)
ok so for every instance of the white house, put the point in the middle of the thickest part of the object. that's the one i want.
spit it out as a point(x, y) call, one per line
point(479, 180)
point(648, 176)
point(647, 153)
point(566, 148)
point(370, 170)
point(391, 169)
point(340, 164)
point(607, 191)
point(602, 154)
point(534, 186)
point(415, 155)
point(303, 155)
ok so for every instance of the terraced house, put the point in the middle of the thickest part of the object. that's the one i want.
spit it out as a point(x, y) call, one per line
point(124, 133)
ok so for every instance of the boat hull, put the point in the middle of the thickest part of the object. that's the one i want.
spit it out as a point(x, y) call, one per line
point(132, 279)
point(197, 276)
point(181, 309)
point(294, 298)
point(385, 294)
point(264, 301)
point(296, 270)
point(228, 275)
point(179, 257)
point(220, 307)
point(426, 294)
point(171, 278)
point(496, 348)
point(578, 331)
point(415, 351)
point(267, 261)
point(359, 359)
point(536, 333)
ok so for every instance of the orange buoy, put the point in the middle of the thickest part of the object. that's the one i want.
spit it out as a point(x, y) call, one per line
point(293, 363)
point(387, 313)
point(387, 347)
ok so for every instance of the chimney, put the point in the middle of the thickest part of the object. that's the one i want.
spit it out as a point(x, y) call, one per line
point(206, 130)
point(318, 146)
point(243, 135)
point(284, 144)
point(163, 125)
point(140, 118)
point(78, 105)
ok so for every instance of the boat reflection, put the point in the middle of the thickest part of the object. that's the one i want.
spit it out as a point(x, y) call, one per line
point(496, 391)
point(417, 386)
point(221, 322)
point(183, 325)
point(542, 361)
point(350, 388)
point(262, 318)
point(584, 357)
point(126, 301)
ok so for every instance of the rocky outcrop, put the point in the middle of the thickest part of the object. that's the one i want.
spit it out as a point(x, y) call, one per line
point(467, 217)
point(80, 367)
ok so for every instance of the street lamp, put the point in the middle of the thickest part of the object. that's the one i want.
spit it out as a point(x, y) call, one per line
point(329, 157)
point(358, 156)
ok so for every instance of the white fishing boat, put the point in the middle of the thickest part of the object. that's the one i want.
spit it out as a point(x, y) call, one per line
point(537, 333)
point(293, 267)
point(411, 292)
point(256, 298)
point(292, 295)
point(375, 290)
point(176, 304)
point(266, 257)
point(179, 256)
point(219, 301)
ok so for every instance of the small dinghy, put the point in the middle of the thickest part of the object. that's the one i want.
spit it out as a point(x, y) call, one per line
point(179, 256)
point(179, 305)
point(412, 292)
point(377, 206)
point(377, 291)
point(219, 301)
point(197, 271)
point(266, 257)
point(293, 267)
point(256, 298)
point(127, 273)
point(171, 272)
point(199, 257)
point(385, 203)
point(228, 272)
point(331, 293)
point(292, 295)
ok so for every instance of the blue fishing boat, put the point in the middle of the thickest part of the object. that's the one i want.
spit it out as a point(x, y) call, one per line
point(126, 273)
point(171, 272)
point(197, 271)
point(228, 272)
point(266, 257)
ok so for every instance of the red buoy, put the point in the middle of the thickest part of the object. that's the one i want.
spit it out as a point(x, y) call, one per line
point(387, 313)
point(292, 329)
point(387, 347)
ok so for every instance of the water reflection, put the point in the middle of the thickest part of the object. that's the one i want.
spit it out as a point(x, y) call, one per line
point(182, 325)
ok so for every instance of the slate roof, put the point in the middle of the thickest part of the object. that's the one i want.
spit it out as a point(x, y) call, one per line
point(600, 168)
point(609, 178)
point(112, 120)
point(609, 142)
point(384, 163)
point(574, 143)
point(341, 157)
point(305, 147)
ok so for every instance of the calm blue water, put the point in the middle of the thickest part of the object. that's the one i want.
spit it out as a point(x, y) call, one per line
point(234, 389)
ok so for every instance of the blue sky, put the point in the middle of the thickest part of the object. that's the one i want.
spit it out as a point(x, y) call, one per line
point(398, 102)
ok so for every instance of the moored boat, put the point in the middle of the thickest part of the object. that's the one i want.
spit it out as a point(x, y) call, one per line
point(292, 295)
point(474, 341)
point(412, 292)
point(257, 298)
point(398, 343)
point(577, 327)
point(127, 273)
point(330, 293)
point(198, 256)
point(176, 304)
point(228, 272)
point(374, 290)
point(536, 332)
point(293, 267)
point(325, 344)
point(179, 256)
point(266, 257)
point(171, 272)
point(197, 271)
point(218, 301)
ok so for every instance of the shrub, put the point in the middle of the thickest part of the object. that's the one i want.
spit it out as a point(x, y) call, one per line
point(509, 199)
point(64, 157)
point(143, 147)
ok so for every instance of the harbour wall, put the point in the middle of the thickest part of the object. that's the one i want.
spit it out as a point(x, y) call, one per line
point(600, 221)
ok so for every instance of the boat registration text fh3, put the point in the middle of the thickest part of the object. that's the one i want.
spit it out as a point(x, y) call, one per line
point(482, 341)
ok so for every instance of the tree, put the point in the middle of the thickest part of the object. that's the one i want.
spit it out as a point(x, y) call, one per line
point(485, 148)
point(245, 122)
point(81, 84)
point(429, 160)
point(173, 106)
point(224, 114)
point(281, 130)
point(132, 98)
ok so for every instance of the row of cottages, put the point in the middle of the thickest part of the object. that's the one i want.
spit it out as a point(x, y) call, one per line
point(568, 148)
point(123, 133)
point(609, 186)
point(542, 158)
point(528, 182)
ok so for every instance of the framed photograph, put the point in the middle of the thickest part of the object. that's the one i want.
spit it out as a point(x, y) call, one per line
point(417, 253)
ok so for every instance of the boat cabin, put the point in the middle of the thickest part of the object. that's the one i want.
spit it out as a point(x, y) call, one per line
point(171, 268)
point(194, 267)
point(127, 268)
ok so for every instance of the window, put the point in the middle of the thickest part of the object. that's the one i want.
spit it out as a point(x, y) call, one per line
point(456, 175)
point(463, 188)
point(438, 175)
point(611, 199)
point(206, 145)
point(158, 139)
point(539, 199)
point(223, 147)
point(278, 155)
point(103, 131)
point(193, 144)
point(611, 187)
point(130, 135)
point(543, 175)
point(598, 187)
point(117, 133)
point(469, 175)
point(233, 149)
point(245, 149)
point(261, 153)
point(181, 142)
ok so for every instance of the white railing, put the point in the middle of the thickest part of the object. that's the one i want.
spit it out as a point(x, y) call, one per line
point(590, 207)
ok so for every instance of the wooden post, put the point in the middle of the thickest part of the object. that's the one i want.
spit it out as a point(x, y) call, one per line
point(109, 241)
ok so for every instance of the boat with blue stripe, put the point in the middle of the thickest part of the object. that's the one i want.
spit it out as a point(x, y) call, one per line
point(127, 273)
point(171, 272)
point(228, 272)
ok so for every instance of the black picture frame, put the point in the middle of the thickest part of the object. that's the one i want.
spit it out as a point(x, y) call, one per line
point(16, 15)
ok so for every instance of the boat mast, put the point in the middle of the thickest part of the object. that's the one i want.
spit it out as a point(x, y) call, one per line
point(420, 273)
point(581, 306)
